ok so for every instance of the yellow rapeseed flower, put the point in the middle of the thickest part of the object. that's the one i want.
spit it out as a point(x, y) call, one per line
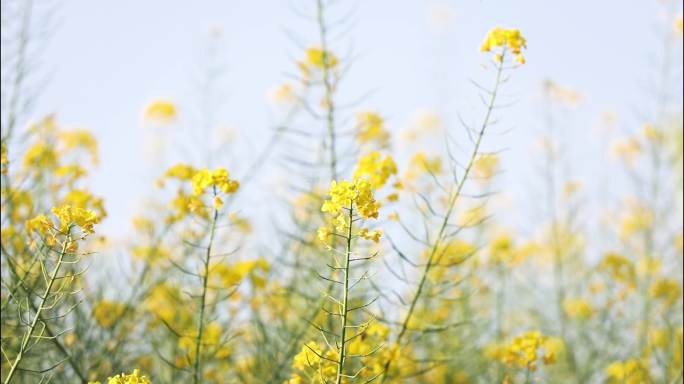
point(375, 168)
point(506, 39)
point(160, 110)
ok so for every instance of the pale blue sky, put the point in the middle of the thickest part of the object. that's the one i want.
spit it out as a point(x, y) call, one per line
point(109, 59)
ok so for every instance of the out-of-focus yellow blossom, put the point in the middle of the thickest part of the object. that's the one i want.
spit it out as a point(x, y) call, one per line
point(420, 164)
point(71, 172)
point(164, 302)
point(571, 188)
point(316, 60)
point(637, 217)
point(525, 350)
point(562, 94)
point(324, 233)
point(375, 168)
point(283, 94)
point(107, 312)
point(161, 111)
point(648, 266)
point(455, 252)
point(578, 308)
point(632, 371)
point(80, 138)
point(485, 166)
point(370, 128)
point(41, 156)
point(4, 159)
point(181, 172)
point(627, 149)
point(506, 39)
point(226, 275)
point(370, 235)
point(240, 222)
point(40, 223)
point(501, 247)
point(218, 202)
point(472, 216)
point(659, 338)
point(127, 378)
point(219, 177)
point(619, 267)
point(679, 24)
point(449, 254)
point(319, 58)
point(151, 254)
point(666, 289)
point(652, 133)
point(426, 120)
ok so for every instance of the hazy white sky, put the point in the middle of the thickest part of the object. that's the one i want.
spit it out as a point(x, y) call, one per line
point(108, 59)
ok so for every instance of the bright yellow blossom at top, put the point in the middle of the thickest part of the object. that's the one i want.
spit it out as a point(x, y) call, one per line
point(348, 194)
point(69, 215)
point(506, 39)
point(161, 110)
point(219, 177)
point(375, 168)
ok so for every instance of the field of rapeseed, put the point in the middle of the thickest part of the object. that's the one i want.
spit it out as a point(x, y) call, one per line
point(382, 259)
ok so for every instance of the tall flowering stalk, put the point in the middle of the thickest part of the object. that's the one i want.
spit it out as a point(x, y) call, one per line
point(504, 41)
point(73, 224)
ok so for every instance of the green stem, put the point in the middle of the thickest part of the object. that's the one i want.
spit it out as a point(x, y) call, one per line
point(329, 89)
point(345, 299)
point(445, 222)
point(39, 310)
point(205, 278)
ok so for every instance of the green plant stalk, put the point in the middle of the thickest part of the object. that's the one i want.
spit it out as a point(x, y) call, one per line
point(39, 310)
point(345, 299)
point(329, 89)
point(445, 221)
point(197, 371)
point(48, 330)
point(558, 266)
